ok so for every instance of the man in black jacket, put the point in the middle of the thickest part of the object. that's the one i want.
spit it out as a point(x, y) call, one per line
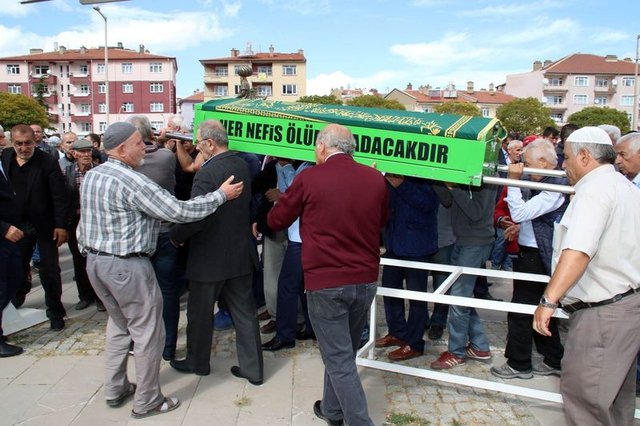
point(41, 200)
point(221, 262)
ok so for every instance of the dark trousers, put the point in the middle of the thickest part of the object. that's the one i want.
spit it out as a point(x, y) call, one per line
point(10, 267)
point(290, 290)
point(520, 329)
point(49, 270)
point(164, 266)
point(85, 290)
point(338, 316)
point(239, 299)
point(440, 310)
point(411, 329)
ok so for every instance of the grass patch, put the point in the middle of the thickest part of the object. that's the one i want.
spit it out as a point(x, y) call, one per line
point(400, 419)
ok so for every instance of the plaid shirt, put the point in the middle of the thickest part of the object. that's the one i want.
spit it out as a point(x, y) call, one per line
point(121, 210)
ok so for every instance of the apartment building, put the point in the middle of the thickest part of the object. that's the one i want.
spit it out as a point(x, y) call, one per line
point(72, 82)
point(577, 81)
point(426, 98)
point(276, 76)
point(186, 107)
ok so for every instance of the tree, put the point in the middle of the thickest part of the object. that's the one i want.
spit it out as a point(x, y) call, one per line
point(316, 99)
point(21, 109)
point(595, 116)
point(460, 108)
point(371, 101)
point(527, 116)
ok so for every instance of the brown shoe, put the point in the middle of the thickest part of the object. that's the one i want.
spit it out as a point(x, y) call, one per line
point(388, 340)
point(264, 315)
point(403, 352)
point(269, 327)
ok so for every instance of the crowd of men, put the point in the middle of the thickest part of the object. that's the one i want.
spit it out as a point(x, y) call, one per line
point(160, 216)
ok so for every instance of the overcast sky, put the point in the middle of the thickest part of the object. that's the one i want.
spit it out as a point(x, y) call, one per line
point(381, 44)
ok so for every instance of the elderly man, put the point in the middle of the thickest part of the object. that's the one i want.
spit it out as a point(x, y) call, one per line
point(3, 139)
point(41, 143)
point(121, 211)
point(596, 279)
point(221, 262)
point(42, 205)
point(536, 212)
point(68, 139)
point(340, 260)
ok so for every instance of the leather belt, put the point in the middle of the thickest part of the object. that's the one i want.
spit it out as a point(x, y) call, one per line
point(121, 256)
point(582, 305)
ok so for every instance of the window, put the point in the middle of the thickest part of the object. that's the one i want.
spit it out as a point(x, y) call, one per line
point(555, 100)
point(157, 125)
point(127, 67)
point(127, 107)
point(220, 91)
point(83, 108)
point(557, 117)
point(600, 100)
point(155, 67)
point(602, 82)
point(84, 89)
point(221, 71)
point(13, 69)
point(582, 81)
point(555, 81)
point(102, 126)
point(15, 89)
point(236, 89)
point(102, 107)
point(264, 91)
point(156, 87)
point(289, 89)
point(102, 87)
point(41, 69)
point(100, 68)
point(626, 100)
point(485, 111)
point(85, 127)
point(630, 117)
point(580, 99)
point(84, 69)
point(127, 87)
point(288, 70)
point(61, 72)
point(157, 107)
point(62, 89)
point(628, 81)
point(264, 69)
point(428, 109)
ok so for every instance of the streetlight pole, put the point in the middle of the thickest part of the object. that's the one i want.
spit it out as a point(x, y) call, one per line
point(106, 62)
point(634, 125)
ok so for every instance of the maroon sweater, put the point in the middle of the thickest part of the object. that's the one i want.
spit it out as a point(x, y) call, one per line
point(342, 207)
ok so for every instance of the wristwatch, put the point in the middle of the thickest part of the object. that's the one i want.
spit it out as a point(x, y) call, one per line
point(546, 303)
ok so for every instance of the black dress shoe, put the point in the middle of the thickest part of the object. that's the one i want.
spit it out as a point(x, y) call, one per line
point(57, 324)
point(318, 412)
point(276, 344)
point(184, 366)
point(7, 350)
point(305, 335)
point(83, 304)
point(235, 370)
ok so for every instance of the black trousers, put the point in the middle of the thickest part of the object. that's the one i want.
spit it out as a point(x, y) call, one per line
point(85, 291)
point(10, 267)
point(49, 270)
point(520, 326)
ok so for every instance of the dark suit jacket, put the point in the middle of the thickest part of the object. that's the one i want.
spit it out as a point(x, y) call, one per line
point(221, 245)
point(46, 198)
point(8, 208)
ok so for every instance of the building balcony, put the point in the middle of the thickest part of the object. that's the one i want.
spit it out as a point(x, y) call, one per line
point(43, 78)
point(215, 77)
point(79, 78)
point(79, 95)
point(81, 118)
point(53, 118)
point(547, 88)
point(48, 97)
point(609, 89)
point(557, 107)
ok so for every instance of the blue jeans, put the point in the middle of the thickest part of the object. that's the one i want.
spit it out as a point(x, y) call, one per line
point(290, 290)
point(164, 265)
point(411, 329)
point(464, 324)
point(440, 311)
point(499, 257)
point(338, 316)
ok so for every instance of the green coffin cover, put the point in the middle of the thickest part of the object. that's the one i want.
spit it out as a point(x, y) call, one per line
point(444, 147)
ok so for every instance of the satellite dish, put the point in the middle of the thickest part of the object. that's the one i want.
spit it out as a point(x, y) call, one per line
point(545, 81)
point(544, 99)
point(614, 82)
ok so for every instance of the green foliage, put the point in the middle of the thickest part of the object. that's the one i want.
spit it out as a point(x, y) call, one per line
point(21, 109)
point(460, 108)
point(595, 116)
point(527, 116)
point(371, 101)
point(40, 88)
point(316, 99)
point(398, 419)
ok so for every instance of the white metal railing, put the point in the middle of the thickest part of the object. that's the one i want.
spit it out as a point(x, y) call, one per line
point(366, 355)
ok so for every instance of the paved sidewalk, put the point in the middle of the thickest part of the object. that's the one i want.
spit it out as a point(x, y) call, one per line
point(58, 381)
